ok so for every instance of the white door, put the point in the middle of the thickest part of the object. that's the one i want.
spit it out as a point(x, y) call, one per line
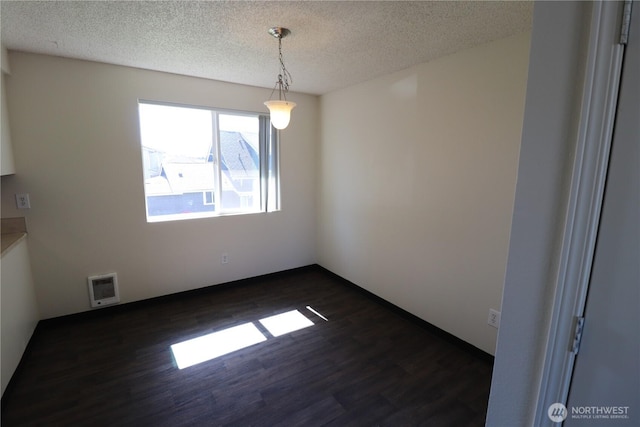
point(605, 387)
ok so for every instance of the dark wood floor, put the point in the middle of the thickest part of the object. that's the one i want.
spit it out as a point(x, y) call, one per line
point(368, 365)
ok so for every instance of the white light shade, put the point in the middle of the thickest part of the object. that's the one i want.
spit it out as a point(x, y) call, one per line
point(280, 112)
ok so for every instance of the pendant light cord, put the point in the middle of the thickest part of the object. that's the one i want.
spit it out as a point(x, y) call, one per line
point(284, 78)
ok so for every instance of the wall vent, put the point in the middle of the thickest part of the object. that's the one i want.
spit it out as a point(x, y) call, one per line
point(103, 290)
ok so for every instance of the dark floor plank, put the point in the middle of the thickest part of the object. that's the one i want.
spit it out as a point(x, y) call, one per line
point(366, 365)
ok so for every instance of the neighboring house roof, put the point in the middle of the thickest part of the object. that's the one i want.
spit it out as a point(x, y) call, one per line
point(238, 156)
point(189, 177)
point(239, 161)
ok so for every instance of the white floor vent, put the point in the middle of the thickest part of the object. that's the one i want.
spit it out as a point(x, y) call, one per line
point(103, 290)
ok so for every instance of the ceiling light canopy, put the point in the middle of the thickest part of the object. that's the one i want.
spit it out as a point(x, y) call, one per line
point(280, 109)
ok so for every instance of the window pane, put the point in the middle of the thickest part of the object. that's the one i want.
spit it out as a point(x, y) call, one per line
point(178, 168)
point(240, 162)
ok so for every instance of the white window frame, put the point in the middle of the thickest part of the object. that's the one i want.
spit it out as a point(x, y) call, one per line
point(268, 168)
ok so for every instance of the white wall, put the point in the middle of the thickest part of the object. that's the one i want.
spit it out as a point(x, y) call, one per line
point(6, 151)
point(546, 157)
point(77, 153)
point(417, 181)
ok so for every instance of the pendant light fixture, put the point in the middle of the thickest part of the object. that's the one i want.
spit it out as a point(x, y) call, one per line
point(280, 109)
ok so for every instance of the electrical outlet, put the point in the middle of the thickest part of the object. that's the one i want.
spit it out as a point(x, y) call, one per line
point(22, 201)
point(224, 259)
point(494, 318)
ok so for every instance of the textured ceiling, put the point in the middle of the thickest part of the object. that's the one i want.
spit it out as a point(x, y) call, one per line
point(333, 44)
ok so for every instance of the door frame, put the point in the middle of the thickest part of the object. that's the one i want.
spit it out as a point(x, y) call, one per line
point(595, 131)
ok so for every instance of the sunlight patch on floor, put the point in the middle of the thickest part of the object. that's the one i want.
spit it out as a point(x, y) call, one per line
point(207, 347)
point(216, 344)
point(284, 323)
point(311, 309)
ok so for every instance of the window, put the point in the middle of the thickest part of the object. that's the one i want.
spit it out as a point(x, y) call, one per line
point(200, 162)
